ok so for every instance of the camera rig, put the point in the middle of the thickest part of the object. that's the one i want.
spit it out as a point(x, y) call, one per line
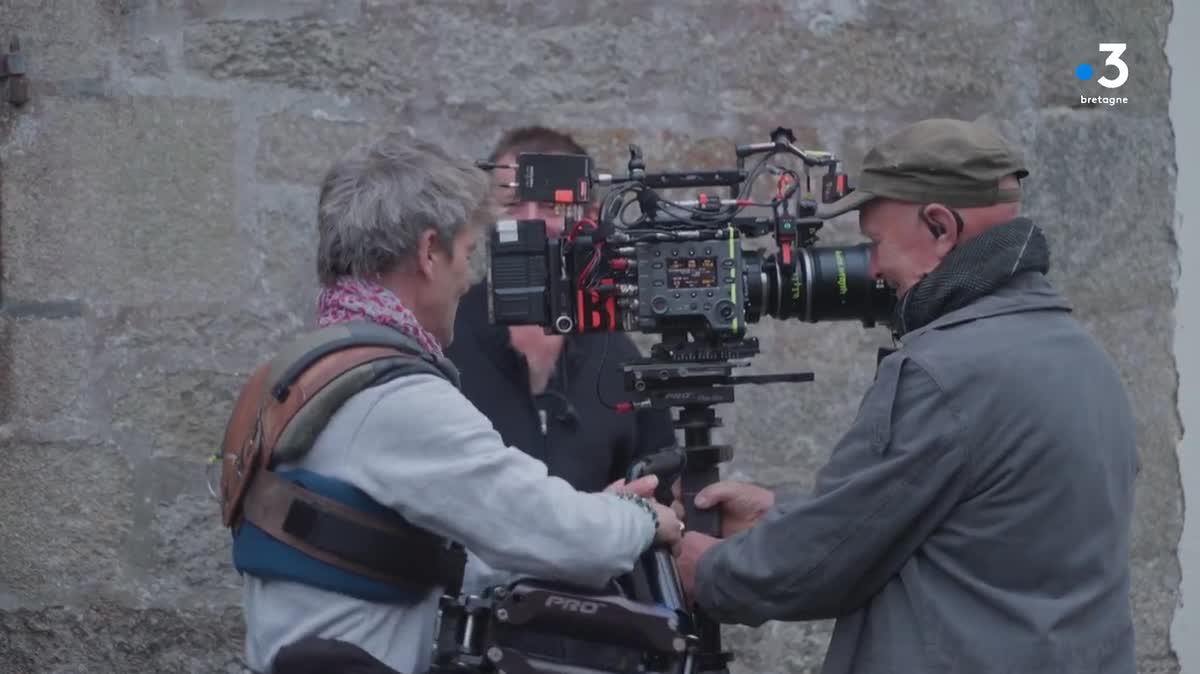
point(680, 269)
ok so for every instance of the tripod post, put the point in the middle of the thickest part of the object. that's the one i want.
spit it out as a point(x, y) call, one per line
point(701, 465)
point(694, 387)
point(693, 376)
point(702, 468)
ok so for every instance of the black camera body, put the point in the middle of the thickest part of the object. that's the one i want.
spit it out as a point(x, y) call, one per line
point(680, 267)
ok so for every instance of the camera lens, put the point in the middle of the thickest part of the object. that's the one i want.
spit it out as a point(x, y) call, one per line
point(832, 283)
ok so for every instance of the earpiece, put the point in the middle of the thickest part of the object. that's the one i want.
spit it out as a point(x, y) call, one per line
point(934, 228)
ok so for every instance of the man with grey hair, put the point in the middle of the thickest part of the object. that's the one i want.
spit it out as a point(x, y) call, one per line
point(397, 226)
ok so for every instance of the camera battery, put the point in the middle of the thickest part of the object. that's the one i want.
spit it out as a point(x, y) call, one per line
point(554, 178)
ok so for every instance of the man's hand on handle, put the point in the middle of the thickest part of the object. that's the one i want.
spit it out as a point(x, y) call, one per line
point(670, 528)
point(741, 505)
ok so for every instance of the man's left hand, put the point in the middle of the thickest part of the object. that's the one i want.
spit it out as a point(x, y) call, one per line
point(687, 554)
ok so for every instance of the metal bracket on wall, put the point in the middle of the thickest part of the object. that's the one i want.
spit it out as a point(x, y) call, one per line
point(12, 72)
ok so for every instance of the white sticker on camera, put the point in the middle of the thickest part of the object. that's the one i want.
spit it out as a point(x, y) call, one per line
point(507, 230)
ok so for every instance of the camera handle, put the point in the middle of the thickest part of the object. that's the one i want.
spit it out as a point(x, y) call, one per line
point(701, 469)
point(693, 377)
point(696, 464)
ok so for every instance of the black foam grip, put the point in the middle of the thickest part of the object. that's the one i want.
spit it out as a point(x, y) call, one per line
point(702, 521)
point(666, 465)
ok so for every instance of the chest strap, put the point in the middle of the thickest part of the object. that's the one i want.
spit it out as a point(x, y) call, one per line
point(393, 552)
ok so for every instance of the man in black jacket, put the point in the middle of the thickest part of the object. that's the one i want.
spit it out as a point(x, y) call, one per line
point(551, 395)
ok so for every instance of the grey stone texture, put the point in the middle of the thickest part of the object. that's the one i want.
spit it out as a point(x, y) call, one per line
point(157, 201)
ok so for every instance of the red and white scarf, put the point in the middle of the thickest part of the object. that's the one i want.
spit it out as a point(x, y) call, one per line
point(351, 299)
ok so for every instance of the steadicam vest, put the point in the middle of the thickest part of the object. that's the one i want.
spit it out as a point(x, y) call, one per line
point(309, 528)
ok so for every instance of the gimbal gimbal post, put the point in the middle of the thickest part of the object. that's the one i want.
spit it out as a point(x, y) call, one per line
point(693, 376)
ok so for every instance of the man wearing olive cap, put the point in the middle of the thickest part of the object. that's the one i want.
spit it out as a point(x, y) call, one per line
point(976, 516)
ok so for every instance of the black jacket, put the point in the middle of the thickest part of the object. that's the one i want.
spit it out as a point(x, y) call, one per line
point(569, 427)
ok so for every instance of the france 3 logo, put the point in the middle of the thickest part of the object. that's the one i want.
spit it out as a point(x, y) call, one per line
point(1114, 73)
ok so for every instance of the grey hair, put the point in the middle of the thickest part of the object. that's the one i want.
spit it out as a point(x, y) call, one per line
point(375, 205)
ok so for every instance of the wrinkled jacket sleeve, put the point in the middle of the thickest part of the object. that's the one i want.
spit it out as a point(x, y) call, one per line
point(432, 456)
point(889, 482)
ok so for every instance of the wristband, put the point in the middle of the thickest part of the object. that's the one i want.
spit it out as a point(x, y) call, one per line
point(645, 505)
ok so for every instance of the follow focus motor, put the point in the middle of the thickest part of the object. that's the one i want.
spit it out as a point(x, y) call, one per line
point(681, 269)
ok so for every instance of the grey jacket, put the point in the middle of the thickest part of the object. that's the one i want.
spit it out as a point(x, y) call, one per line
point(976, 516)
point(418, 446)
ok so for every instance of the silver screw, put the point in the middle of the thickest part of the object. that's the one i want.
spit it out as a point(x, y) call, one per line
point(495, 654)
point(502, 614)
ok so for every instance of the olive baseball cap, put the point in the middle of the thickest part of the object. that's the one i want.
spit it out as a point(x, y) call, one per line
point(948, 161)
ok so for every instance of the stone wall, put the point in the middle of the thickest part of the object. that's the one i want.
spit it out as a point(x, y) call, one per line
point(156, 214)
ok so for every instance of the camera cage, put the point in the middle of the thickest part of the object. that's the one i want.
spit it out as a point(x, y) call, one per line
point(690, 369)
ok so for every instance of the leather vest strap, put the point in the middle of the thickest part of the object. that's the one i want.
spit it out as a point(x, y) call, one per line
point(391, 552)
point(277, 417)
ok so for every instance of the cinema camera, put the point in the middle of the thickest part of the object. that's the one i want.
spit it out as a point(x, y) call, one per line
point(681, 269)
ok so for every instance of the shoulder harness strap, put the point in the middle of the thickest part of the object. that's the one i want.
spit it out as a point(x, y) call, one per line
point(278, 415)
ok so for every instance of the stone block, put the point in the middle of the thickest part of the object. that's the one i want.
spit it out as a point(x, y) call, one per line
point(146, 56)
point(100, 637)
point(72, 509)
point(1144, 356)
point(1062, 35)
point(272, 51)
point(612, 60)
point(172, 372)
point(150, 216)
point(526, 15)
point(1109, 223)
point(796, 648)
point(288, 240)
point(299, 149)
point(44, 368)
point(172, 410)
point(332, 10)
point(1155, 598)
point(298, 146)
point(62, 39)
point(228, 337)
point(184, 555)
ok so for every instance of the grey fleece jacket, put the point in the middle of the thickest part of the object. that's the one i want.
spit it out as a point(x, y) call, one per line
point(418, 446)
point(976, 516)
